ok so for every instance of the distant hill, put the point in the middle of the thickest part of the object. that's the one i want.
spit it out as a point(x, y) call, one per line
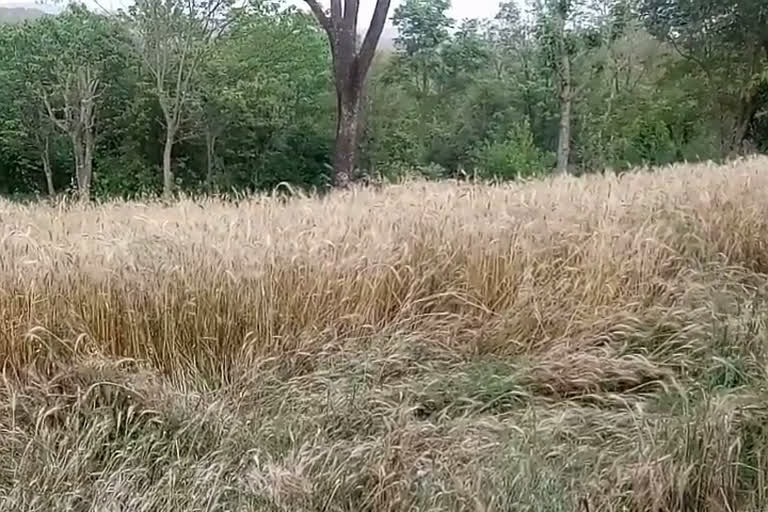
point(19, 14)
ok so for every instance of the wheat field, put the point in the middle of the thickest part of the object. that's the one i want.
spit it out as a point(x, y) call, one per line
point(594, 343)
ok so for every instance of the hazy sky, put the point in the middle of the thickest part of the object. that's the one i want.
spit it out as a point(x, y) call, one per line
point(461, 8)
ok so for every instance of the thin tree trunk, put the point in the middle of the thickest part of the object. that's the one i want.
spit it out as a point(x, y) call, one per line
point(529, 102)
point(747, 111)
point(81, 88)
point(345, 154)
point(45, 156)
point(566, 99)
point(77, 150)
point(85, 192)
point(614, 87)
point(210, 154)
point(167, 169)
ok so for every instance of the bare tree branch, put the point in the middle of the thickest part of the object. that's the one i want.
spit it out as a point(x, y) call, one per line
point(51, 114)
point(368, 48)
point(351, 13)
point(336, 13)
point(691, 57)
point(322, 18)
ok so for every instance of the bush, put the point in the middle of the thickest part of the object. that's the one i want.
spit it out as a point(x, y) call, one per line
point(515, 156)
point(649, 142)
point(126, 176)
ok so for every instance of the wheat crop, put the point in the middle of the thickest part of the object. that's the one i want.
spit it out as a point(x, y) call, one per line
point(595, 343)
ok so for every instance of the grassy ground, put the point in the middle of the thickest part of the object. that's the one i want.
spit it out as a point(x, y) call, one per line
point(595, 344)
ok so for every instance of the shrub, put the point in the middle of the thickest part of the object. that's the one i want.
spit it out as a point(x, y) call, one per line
point(514, 156)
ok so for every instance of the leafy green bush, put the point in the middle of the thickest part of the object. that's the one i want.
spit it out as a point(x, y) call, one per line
point(515, 156)
point(125, 176)
point(648, 141)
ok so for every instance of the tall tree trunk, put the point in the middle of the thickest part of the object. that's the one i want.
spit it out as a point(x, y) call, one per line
point(345, 154)
point(170, 135)
point(85, 192)
point(210, 155)
point(740, 127)
point(527, 96)
point(604, 122)
point(81, 88)
point(351, 63)
point(78, 149)
point(566, 99)
point(45, 156)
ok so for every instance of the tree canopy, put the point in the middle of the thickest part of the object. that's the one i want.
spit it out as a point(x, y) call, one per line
point(222, 97)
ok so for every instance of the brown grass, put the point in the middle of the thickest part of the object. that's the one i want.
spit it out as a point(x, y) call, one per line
point(594, 344)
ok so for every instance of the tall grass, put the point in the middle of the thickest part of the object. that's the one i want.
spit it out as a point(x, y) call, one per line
point(592, 343)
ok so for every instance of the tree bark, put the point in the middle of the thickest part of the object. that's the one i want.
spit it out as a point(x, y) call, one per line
point(210, 155)
point(88, 147)
point(83, 152)
point(566, 100)
point(746, 115)
point(45, 156)
point(345, 153)
point(77, 150)
point(167, 169)
point(83, 126)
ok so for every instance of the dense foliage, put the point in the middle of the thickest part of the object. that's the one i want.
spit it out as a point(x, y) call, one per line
point(577, 85)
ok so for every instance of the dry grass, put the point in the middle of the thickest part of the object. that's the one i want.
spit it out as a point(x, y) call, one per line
point(589, 344)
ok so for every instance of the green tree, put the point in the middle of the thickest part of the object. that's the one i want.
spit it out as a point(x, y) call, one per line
point(25, 127)
point(571, 33)
point(174, 38)
point(726, 44)
point(423, 28)
point(465, 56)
point(390, 144)
point(264, 84)
point(518, 66)
point(69, 62)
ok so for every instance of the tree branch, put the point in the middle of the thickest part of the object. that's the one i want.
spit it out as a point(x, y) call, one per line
point(60, 124)
point(336, 13)
point(351, 12)
point(691, 57)
point(321, 17)
point(368, 48)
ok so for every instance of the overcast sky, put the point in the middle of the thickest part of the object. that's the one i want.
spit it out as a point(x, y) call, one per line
point(461, 8)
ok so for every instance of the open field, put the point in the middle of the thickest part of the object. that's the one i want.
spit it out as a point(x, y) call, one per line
point(589, 344)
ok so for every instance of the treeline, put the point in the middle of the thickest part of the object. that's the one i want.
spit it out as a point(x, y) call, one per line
point(206, 96)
